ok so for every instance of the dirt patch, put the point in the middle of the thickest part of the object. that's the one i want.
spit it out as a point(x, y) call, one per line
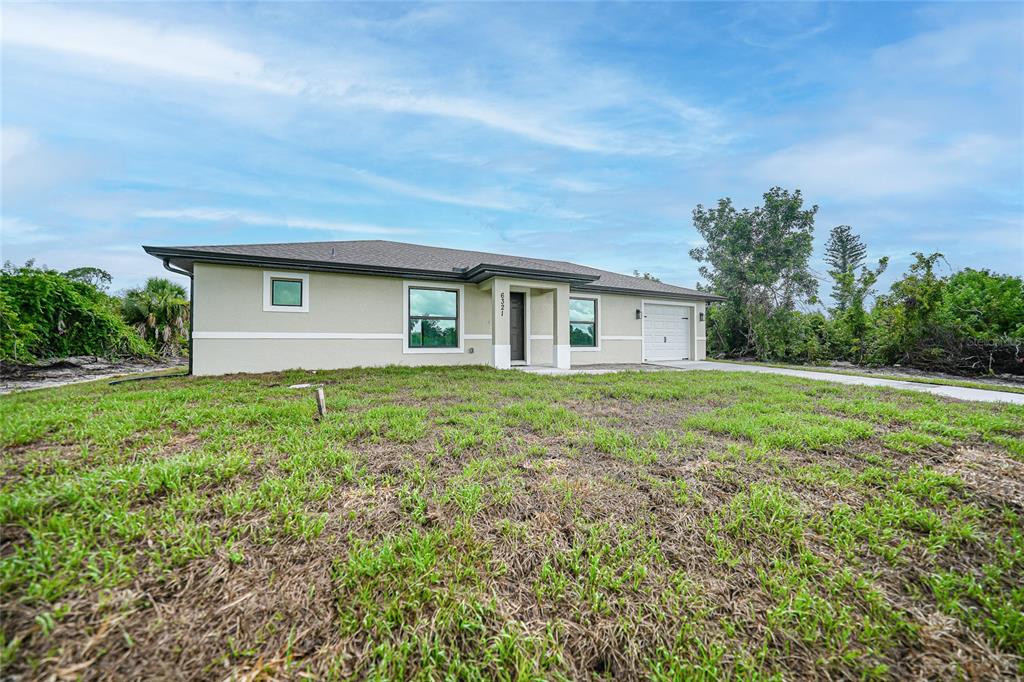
point(989, 474)
point(215, 619)
point(639, 418)
point(73, 370)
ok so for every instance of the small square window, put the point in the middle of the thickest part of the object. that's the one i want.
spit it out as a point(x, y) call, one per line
point(286, 292)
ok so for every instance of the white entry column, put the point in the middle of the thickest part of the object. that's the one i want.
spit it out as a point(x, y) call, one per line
point(561, 353)
point(501, 348)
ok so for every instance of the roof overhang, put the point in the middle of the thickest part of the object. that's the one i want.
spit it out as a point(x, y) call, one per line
point(598, 289)
point(483, 271)
point(185, 259)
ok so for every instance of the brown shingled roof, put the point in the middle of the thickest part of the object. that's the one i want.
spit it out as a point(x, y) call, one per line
point(399, 258)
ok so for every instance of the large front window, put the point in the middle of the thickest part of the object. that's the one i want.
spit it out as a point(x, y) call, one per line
point(583, 322)
point(433, 318)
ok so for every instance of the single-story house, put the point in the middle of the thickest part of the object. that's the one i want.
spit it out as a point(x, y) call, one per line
point(328, 305)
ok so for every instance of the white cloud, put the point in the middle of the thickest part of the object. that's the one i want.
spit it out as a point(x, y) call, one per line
point(15, 142)
point(171, 51)
point(15, 231)
point(493, 200)
point(221, 215)
point(568, 111)
point(577, 185)
point(873, 164)
point(499, 116)
point(780, 25)
point(30, 167)
point(968, 51)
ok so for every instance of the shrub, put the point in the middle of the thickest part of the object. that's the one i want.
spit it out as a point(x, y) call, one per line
point(46, 314)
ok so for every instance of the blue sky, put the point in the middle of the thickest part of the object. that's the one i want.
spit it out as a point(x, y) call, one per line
point(566, 131)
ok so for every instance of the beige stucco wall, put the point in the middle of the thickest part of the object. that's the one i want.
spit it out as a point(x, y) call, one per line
point(227, 356)
point(229, 302)
point(230, 299)
point(616, 319)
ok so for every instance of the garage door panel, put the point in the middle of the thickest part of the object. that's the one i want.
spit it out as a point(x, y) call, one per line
point(666, 332)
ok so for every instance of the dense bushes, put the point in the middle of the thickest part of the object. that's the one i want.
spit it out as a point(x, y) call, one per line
point(969, 322)
point(47, 314)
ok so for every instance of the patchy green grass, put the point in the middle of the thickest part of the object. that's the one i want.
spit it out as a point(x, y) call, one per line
point(465, 523)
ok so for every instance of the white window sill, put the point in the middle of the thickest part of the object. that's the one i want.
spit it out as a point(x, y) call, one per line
point(285, 309)
point(417, 351)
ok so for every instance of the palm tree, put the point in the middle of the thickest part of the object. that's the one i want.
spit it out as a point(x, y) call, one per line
point(159, 311)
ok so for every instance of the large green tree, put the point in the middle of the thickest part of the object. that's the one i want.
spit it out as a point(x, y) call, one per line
point(159, 311)
point(97, 277)
point(758, 259)
point(845, 254)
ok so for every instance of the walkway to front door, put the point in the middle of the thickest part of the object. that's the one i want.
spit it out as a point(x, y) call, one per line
point(517, 325)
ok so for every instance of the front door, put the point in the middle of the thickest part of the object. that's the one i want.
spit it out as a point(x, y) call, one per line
point(517, 325)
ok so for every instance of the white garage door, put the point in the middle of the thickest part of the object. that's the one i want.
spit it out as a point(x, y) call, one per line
point(666, 332)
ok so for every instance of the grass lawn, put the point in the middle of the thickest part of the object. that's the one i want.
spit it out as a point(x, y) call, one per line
point(476, 524)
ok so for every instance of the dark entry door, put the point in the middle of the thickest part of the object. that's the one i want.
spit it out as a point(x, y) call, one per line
point(517, 325)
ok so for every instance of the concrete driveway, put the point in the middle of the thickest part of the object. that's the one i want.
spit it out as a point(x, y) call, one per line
point(935, 389)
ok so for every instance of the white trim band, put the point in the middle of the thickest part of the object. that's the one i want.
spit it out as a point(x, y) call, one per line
point(477, 337)
point(297, 335)
point(541, 337)
point(623, 338)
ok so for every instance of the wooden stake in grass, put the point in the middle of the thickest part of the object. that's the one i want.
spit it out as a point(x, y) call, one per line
point(321, 403)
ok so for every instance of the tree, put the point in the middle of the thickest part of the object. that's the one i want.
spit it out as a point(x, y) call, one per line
point(845, 252)
point(159, 311)
point(853, 318)
point(645, 275)
point(908, 317)
point(96, 277)
point(758, 259)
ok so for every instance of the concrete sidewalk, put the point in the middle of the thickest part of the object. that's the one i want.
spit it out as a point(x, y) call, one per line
point(935, 389)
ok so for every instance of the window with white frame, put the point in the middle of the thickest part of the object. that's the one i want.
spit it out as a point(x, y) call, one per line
point(286, 292)
point(583, 322)
point(433, 318)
